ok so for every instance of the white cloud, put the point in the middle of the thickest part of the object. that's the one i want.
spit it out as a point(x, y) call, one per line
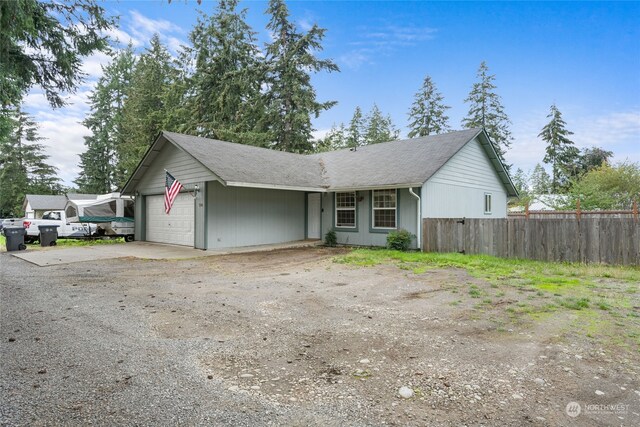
point(122, 38)
point(305, 25)
point(356, 58)
point(320, 134)
point(147, 26)
point(92, 65)
point(64, 142)
point(383, 41)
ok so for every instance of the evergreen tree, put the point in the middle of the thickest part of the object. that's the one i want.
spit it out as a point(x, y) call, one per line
point(379, 128)
point(561, 153)
point(225, 89)
point(290, 96)
point(42, 43)
point(592, 158)
point(540, 181)
point(428, 113)
point(143, 112)
point(99, 162)
point(177, 96)
point(521, 182)
point(486, 111)
point(23, 165)
point(356, 129)
point(336, 139)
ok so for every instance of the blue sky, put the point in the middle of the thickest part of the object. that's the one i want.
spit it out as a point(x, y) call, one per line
point(584, 56)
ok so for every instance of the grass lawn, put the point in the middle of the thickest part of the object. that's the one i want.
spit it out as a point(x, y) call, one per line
point(67, 242)
point(601, 303)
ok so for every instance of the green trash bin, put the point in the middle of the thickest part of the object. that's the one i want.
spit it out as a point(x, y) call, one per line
point(14, 238)
point(48, 235)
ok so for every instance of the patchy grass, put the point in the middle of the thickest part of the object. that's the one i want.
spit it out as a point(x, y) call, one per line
point(599, 302)
point(68, 242)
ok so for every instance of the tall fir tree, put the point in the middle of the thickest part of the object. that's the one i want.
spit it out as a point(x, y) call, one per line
point(225, 99)
point(378, 127)
point(23, 164)
point(427, 114)
point(560, 152)
point(356, 129)
point(540, 181)
point(99, 162)
point(290, 96)
point(486, 111)
point(144, 111)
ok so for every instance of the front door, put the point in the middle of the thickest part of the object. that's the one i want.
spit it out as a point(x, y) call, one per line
point(313, 216)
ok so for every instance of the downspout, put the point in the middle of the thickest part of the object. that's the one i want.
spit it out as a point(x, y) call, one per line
point(419, 219)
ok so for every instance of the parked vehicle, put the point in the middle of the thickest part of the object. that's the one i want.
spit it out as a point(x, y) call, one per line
point(112, 213)
point(10, 222)
point(66, 228)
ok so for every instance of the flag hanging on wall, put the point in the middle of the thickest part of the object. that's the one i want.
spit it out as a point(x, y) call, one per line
point(171, 189)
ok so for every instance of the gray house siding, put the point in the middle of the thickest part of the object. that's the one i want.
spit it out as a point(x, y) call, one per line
point(179, 164)
point(458, 189)
point(364, 234)
point(240, 216)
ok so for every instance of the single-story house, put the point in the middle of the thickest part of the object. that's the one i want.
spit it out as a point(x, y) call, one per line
point(34, 205)
point(239, 195)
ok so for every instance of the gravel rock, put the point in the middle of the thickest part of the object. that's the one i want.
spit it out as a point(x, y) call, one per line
point(405, 392)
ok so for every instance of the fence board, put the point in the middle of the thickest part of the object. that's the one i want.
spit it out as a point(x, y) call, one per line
point(602, 239)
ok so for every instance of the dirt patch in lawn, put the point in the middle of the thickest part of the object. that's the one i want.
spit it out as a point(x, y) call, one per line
point(305, 340)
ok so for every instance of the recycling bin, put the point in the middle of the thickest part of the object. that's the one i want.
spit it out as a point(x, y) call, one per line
point(48, 235)
point(14, 238)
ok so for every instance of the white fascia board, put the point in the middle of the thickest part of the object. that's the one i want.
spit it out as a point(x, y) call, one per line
point(375, 187)
point(275, 187)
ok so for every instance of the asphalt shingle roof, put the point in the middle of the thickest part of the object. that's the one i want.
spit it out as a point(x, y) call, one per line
point(249, 164)
point(405, 162)
point(46, 202)
point(408, 162)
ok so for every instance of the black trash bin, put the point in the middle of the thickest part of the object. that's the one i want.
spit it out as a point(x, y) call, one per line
point(48, 235)
point(15, 238)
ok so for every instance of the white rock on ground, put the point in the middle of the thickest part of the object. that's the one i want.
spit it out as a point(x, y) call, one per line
point(405, 392)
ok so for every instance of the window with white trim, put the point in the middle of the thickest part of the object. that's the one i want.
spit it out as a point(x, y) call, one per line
point(346, 210)
point(487, 203)
point(384, 207)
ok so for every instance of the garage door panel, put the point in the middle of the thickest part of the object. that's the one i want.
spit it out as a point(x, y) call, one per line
point(175, 228)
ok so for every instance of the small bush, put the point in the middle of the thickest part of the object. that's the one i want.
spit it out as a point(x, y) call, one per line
point(330, 239)
point(399, 240)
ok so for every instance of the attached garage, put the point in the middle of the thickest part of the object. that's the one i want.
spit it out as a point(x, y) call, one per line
point(177, 227)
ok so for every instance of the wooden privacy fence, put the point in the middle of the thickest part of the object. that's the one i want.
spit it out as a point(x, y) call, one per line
point(588, 240)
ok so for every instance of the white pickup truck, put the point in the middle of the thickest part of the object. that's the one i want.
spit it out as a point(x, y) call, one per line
point(65, 229)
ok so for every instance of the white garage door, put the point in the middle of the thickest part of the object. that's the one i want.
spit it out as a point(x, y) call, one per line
point(175, 228)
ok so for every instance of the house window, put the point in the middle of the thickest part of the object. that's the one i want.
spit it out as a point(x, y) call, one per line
point(346, 210)
point(384, 208)
point(487, 203)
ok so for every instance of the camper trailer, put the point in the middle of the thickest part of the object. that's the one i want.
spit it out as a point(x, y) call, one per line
point(112, 213)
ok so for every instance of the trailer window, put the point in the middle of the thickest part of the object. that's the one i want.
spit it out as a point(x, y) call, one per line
point(71, 212)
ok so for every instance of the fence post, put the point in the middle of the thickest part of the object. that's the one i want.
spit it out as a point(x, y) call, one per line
point(635, 210)
point(526, 210)
point(578, 209)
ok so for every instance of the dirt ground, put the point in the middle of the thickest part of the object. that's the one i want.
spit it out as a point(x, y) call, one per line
point(288, 337)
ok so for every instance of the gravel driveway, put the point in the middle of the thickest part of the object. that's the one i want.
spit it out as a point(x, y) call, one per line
point(286, 337)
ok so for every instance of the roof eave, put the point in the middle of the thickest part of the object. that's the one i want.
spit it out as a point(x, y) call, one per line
point(375, 187)
point(500, 168)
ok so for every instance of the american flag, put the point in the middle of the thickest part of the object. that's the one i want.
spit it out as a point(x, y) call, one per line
point(171, 189)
